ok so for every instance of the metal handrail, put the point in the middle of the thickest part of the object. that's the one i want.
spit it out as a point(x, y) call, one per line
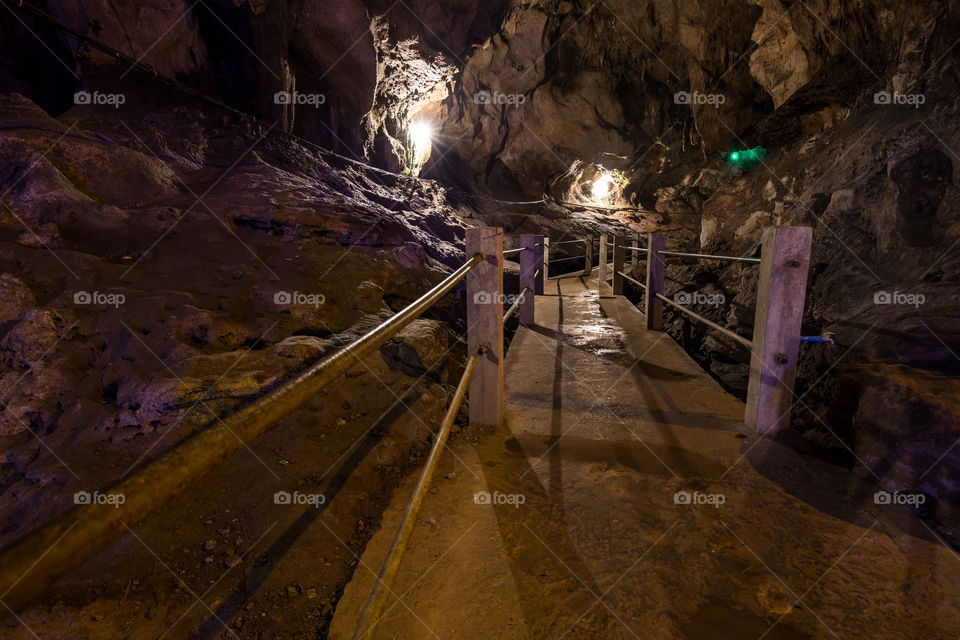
point(506, 253)
point(640, 249)
point(568, 258)
point(708, 256)
point(736, 336)
point(370, 617)
point(636, 282)
point(516, 304)
point(53, 550)
point(554, 244)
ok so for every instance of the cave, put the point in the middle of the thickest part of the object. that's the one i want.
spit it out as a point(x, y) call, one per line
point(548, 319)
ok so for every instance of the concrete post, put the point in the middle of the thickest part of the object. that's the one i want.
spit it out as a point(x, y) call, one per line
point(619, 242)
point(588, 267)
point(655, 270)
point(531, 261)
point(546, 259)
point(485, 325)
point(781, 292)
point(602, 262)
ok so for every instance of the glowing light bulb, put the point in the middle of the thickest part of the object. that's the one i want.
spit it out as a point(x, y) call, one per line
point(734, 156)
point(601, 188)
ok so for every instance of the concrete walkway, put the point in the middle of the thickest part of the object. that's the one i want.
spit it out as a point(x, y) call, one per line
point(624, 498)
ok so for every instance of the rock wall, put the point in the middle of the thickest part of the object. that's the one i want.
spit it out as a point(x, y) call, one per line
point(159, 267)
point(600, 83)
point(854, 101)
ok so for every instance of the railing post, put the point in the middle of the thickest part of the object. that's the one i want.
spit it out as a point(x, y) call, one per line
point(781, 291)
point(653, 308)
point(619, 242)
point(541, 253)
point(531, 260)
point(635, 258)
point(588, 266)
point(485, 325)
point(602, 262)
point(546, 260)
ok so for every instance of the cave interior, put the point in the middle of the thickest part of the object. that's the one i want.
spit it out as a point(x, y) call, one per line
point(205, 202)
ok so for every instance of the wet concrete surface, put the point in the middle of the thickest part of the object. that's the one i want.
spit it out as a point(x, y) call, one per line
point(625, 498)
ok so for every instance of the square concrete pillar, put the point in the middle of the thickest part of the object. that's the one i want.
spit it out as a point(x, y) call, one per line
point(656, 265)
point(602, 262)
point(485, 325)
point(588, 266)
point(781, 293)
point(619, 254)
point(546, 261)
point(531, 275)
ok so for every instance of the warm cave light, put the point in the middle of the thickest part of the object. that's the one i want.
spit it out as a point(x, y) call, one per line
point(420, 135)
point(602, 186)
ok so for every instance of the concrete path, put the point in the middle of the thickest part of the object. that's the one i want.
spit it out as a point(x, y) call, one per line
point(624, 498)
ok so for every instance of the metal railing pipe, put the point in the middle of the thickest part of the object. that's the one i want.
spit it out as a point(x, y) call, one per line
point(32, 563)
point(710, 323)
point(515, 305)
point(569, 258)
point(707, 256)
point(512, 251)
point(639, 249)
point(554, 244)
point(388, 571)
point(629, 279)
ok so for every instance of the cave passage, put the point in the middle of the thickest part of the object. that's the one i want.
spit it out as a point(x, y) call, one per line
point(547, 319)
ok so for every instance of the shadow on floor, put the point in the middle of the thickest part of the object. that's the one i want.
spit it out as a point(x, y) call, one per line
point(265, 562)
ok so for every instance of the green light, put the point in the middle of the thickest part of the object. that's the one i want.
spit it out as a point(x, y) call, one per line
point(746, 159)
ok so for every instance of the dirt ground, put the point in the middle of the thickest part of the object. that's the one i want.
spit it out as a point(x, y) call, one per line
point(224, 560)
